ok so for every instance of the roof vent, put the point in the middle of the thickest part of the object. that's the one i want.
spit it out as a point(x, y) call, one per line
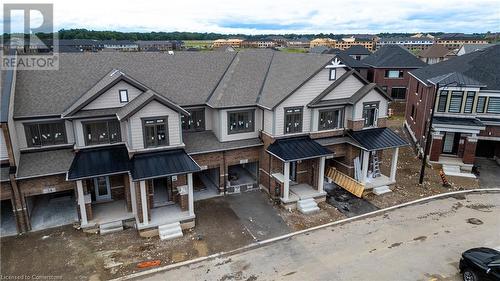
point(171, 53)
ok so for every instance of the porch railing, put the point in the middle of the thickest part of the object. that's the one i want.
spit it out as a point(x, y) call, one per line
point(353, 186)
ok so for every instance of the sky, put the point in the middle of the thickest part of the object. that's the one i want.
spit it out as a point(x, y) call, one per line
point(272, 16)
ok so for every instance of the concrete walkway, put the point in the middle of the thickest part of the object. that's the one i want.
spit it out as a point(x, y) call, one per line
point(419, 242)
point(489, 173)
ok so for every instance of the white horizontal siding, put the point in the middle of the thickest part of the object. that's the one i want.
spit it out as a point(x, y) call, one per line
point(231, 137)
point(216, 125)
point(111, 98)
point(346, 89)
point(154, 109)
point(268, 121)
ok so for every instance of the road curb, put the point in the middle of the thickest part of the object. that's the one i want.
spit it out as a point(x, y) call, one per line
point(286, 236)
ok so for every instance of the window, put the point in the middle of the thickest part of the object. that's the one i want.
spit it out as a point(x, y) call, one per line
point(493, 105)
point(443, 97)
point(394, 74)
point(370, 114)
point(358, 57)
point(456, 101)
point(481, 104)
point(398, 93)
point(330, 119)
point(194, 122)
point(469, 102)
point(123, 95)
point(241, 121)
point(333, 73)
point(155, 131)
point(102, 132)
point(45, 134)
point(293, 120)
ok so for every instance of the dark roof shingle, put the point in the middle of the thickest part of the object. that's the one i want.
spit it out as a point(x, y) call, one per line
point(393, 56)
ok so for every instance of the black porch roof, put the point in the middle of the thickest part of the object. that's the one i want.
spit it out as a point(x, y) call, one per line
point(298, 148)
point(161, 164)
point(461, 121)
point(99, 161)
point(377, 138)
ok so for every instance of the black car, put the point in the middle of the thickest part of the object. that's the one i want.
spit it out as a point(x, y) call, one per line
point(480, 264)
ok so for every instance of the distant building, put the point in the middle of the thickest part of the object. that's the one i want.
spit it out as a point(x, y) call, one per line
point(261, 43)
point(119, 45)
point(348, 42)
point(327, 42)
point(298, 43)
point(358, 52)
point(410, 43)
point(469, 48)
point(279, 41)
point(233, 42)
point(319, 50)
point(436, 53)
point(159, 45)
point(456, 40)
point(79, 45)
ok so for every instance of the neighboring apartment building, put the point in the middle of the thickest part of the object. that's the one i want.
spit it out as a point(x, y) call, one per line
point(119, 45)
point(259, 43)
point(466, 123)
point(414, 44)
point(436, 53)
point(298, 43)
point(279, 41)
point(389, 67)
point(327, 42)
point(234, 42)
point(158, 45)
point(456, 40)
point(133, 138)
point(346, 43)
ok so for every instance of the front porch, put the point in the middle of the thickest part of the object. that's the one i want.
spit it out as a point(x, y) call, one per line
point(110, 212)
point(304, 191)
point(166, 215)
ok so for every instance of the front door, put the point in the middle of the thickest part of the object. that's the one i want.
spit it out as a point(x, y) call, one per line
point(450, 142)
point(102, 189)
point(161, 195)
point(293, 171)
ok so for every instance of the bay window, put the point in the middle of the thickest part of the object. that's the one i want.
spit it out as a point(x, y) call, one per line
point(241, 121)
point(45, 134)
point(102, 132)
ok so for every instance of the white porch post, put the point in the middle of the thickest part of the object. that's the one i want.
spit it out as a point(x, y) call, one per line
point(81, 202)
point(144, 203)
point(321, 174)
point(364, 168)
point(133, 198)
point(394, 163)
point(286, 180)
point(190, 194)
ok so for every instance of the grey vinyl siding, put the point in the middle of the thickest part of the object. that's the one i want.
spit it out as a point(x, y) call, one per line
point(154, 109)
point(268, 121)
point(111, 98)
point(345, 89)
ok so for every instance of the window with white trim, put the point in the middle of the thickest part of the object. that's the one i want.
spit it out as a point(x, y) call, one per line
point(123, 96)
point(333, 73)
point(456, 101)
point(469, 102)
point(481, 104)
point(493, 105)
point(394, 74)
point(370, 114)
point(443, 97)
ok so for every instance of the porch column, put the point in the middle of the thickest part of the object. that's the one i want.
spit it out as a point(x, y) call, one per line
point(81, 202)
point(133, 197)
point(286, 180)
point(190, 194)
point(394, 163)
point(144, 203)
point(321, 174)
point(364, 168)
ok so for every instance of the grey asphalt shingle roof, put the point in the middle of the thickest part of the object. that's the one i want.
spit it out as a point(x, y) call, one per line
point(481, 66)
point(435, 51)
point(455, 77)
point(40, 163)
point(287, 72)
point(186, 78)
point(206, 141)
point(357, 50)
point(469, 48)
point(349, 61)
point(393, 56)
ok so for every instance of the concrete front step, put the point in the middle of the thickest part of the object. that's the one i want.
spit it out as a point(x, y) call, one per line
point(111, 227)
point(381, 190)
point(170, 231)
point(454, 170)
point(307, 206)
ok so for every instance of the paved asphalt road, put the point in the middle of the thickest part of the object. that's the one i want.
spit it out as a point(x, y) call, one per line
point(421, 242)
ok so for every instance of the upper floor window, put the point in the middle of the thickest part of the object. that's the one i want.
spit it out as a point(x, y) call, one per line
point(333, 73)
point(330, 119)
point(481, 104)
point(469, 102)
point(123, 95)
point(370, 114)
point(394, 74)
point(398, 93)
point(155, 131)
point(241, 121)
point(443, 97)
point(293, 120)
point(194, 122)
point(493, 105)
point(44, 134)
point(102, 132)
point(456, 101)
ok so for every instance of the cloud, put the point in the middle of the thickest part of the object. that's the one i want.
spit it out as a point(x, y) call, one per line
point(279, 16)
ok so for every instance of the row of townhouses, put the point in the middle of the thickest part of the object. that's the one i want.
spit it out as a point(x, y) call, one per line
point(113, 139)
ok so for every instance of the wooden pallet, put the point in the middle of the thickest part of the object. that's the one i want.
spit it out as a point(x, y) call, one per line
point(346, 182)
